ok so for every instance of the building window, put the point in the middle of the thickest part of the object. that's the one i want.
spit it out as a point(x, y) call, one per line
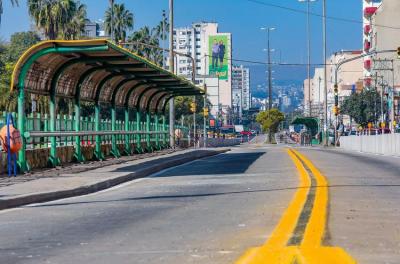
point(198, 46)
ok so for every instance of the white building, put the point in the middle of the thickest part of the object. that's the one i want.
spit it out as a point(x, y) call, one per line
point(241, 89)
point(369, 9)
point(196, 41)
point(385, 67)
point(212, 84)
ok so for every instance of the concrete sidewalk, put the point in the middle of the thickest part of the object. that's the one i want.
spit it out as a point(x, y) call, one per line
point(69, 184)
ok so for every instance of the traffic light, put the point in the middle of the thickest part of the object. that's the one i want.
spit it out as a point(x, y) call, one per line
point(336, 110)
point(205, 112)
point(193, 107)
point(336, 93)
point(398, 52)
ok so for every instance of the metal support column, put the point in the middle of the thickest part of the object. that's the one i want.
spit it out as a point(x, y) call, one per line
point(78, 150)
point(98, 153)
point(22, 163)
point(165, 132)
point(114, 148)
point(149, 147)
point(139, 148)
point(157, 125)
point(128, 149)
point(53, 160)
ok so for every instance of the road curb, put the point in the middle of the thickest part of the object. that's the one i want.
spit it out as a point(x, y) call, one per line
point(102, 185)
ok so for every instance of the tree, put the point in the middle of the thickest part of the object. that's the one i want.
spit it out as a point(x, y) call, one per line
point(76, 26)
point(52, 16)
point(19, 43)
point(147, 36)
point(13, 2)
point(270, 120)
point(122, 20)
point(9, 54)
point(162, 29)
point(363, 107)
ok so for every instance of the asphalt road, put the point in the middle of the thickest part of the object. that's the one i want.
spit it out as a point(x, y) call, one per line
point(211, 211)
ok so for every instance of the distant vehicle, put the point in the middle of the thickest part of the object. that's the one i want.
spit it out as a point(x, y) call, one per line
point(246, 133)
point(228, 130)
point(253, 132)
point(239, 128)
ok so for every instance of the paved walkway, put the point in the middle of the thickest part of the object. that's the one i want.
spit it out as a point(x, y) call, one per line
point(73, 168)
point(88, 178)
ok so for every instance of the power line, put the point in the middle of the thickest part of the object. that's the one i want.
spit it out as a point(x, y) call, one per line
point(348, 20)
point(273, 63)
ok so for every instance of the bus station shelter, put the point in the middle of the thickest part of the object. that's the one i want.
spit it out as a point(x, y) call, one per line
point(100, 72)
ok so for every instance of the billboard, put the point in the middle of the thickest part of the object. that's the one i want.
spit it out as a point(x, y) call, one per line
point(218, 48)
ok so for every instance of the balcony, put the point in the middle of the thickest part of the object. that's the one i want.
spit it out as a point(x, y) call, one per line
point(367, 46)
point(367, 82)
point(367, 64)
point(369, 11)
point(367, 29)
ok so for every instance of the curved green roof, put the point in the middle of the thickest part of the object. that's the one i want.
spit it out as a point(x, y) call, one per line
point(99, 71)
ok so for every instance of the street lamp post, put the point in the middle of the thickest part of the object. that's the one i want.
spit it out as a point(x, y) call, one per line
point(269, 29)
point(112, 19)
point(308, 52)
point(325, 74)
point(171, 68)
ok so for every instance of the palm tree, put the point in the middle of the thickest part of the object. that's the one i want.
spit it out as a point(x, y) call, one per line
point(74, 29)
point(162, 29)
point(13, 2)
point(52, 16)
point(149, 37)
point(122, 20)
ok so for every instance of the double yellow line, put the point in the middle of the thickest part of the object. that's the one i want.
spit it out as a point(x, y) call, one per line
point(289, 242)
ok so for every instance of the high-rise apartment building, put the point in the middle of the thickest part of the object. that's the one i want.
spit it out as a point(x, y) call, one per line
point(369, 9)
point(212, 54)
point(240, 89)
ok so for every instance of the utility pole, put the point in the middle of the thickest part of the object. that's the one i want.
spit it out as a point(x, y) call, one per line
point(269, 74)
point(112, 19)
point(205, 117)
point(171, 69)
point(163, 37)
point(325, 74)
point(269, 29)
point(308, 53)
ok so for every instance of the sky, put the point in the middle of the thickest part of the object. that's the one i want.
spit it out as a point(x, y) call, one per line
point(243, 18)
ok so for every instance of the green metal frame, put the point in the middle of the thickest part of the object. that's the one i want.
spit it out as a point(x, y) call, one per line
point(151, 76)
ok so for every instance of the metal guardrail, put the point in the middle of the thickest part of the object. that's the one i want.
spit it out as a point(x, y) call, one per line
point(33, 134)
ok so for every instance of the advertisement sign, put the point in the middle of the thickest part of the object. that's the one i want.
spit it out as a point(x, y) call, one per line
point(218, 48)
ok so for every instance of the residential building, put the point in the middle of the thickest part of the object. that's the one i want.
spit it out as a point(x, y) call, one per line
point(240, 89)
point(197, 41)
point(369, 9)
point(94, 29)
point(350, 77)
point(212, 84)
point(385, 67)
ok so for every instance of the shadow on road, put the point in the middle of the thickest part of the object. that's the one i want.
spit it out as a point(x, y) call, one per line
point(227, 163)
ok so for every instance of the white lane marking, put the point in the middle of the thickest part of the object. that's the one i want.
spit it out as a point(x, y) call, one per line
point(122, 185)
point(10, 210)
